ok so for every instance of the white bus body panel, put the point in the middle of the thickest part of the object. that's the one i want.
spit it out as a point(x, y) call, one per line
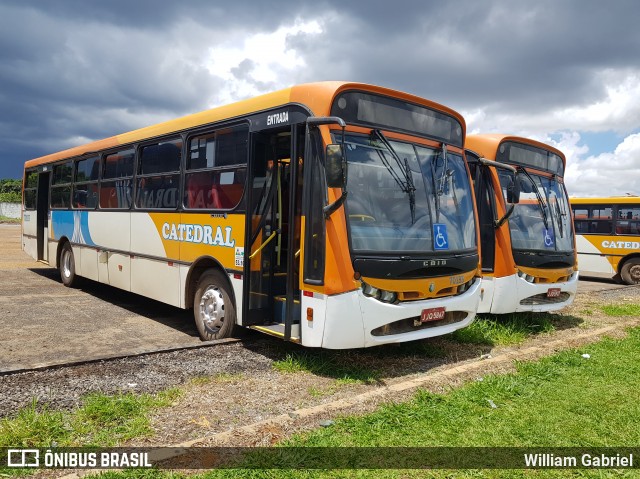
point(145, 239)
point(237, 285)
point(30, 228)
point(487, 290)
point(510, 290)
point(312, 332)
point(352, 316)
point(159, 280)
point(50, 249)
point(591, 259)
point(88, 262)
point(114, 268)
point(155, 278)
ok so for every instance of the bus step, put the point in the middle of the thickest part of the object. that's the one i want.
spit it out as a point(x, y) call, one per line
point(278, 330)
point(280, 309)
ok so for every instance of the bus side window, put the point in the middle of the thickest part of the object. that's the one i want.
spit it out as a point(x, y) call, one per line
point(115, 193)
point(629, 221)
point(61, 185)
point(600, 219)
point(158, 183)
point(85, 186)
point(216, 169)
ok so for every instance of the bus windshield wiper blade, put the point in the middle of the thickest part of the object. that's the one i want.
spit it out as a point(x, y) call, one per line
point(541, 203)
point(412, 190)
point(438, 184)
point(407, 186)
point(559, 214)
point(445, 163)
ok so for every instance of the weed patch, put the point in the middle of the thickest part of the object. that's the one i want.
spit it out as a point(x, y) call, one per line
point(100, 421)
point(504, 330)
point(326, 363)
point(621, 310)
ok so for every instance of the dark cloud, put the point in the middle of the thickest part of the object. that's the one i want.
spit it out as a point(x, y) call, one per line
point(74, 70)
point(469, 54)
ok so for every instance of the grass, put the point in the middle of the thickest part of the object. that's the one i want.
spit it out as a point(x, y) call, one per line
point(326, 363)
point(504, 330)
point(101, 420)
point(6, 219)
point(563, 400)
point(216, 379)
point(621, 309)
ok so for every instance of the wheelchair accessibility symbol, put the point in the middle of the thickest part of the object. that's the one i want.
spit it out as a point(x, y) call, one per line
point(440, 238)
point(548, 238)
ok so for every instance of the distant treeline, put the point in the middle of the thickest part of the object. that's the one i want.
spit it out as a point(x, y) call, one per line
point(10, 191)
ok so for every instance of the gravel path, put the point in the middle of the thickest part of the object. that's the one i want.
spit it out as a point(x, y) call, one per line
point(62, 388)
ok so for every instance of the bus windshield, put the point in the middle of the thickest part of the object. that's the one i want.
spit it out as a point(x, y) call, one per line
point(406, 198)
point(527, 222)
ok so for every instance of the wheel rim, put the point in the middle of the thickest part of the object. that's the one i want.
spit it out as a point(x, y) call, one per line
point(212, 309)
point(634, 273)
point(66, 264)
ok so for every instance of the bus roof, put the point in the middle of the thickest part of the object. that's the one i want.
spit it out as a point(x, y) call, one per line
point(604, 200)
point(487, 144)
point(317, 97)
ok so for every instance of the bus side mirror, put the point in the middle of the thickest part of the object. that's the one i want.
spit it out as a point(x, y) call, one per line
point(335, 166)
point(513, 190)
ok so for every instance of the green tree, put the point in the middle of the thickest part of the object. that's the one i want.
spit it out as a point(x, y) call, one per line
point(10, 191)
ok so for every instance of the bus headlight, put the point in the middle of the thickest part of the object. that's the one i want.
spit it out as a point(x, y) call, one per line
point(379, 294)
point(527, 277)
point(370, 291)
point(388, 296)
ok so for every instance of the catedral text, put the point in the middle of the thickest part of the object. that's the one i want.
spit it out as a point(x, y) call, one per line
point(621, 244)
point(198, 234)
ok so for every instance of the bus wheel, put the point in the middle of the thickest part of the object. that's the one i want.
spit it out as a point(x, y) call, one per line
point(67, 266)
point(630, 271)
point(213, 307)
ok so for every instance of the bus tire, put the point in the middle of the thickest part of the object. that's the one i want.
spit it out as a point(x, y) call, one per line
point(630, 272)
point(67, 266)
point(213, 308)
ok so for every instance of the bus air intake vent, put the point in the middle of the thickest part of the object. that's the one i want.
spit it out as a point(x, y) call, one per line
point(407, 325)
point(542, 299)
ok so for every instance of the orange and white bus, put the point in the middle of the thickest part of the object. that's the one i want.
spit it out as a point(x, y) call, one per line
point(608, 237)
point(336, 215)
point(527, 238)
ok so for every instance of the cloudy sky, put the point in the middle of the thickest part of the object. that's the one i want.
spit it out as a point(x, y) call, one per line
point(564, 72)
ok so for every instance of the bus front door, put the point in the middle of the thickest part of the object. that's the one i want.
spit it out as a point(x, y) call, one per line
point(273, 231)
point(42, 215)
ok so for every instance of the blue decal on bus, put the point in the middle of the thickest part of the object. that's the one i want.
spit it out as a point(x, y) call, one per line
point(72, 224)
point(440, 237)
point(549, 238)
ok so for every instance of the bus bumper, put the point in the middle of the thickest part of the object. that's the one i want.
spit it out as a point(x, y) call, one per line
point(354, 320)
point(534, 297)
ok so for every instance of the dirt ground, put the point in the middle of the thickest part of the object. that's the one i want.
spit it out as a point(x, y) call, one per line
point(44, 323)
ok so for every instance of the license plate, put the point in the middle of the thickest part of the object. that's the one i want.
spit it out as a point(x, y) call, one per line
point(432, 314)
point(553, 292)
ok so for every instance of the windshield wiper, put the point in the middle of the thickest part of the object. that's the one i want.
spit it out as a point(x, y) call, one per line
point(541, 203)
point(445, 175)
point(559, 212)
point(411, 190)
point(438, 184)
point(407, 186)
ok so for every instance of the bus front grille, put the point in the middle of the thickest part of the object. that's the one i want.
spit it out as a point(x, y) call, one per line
point(542, 299)
point(407, 325)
